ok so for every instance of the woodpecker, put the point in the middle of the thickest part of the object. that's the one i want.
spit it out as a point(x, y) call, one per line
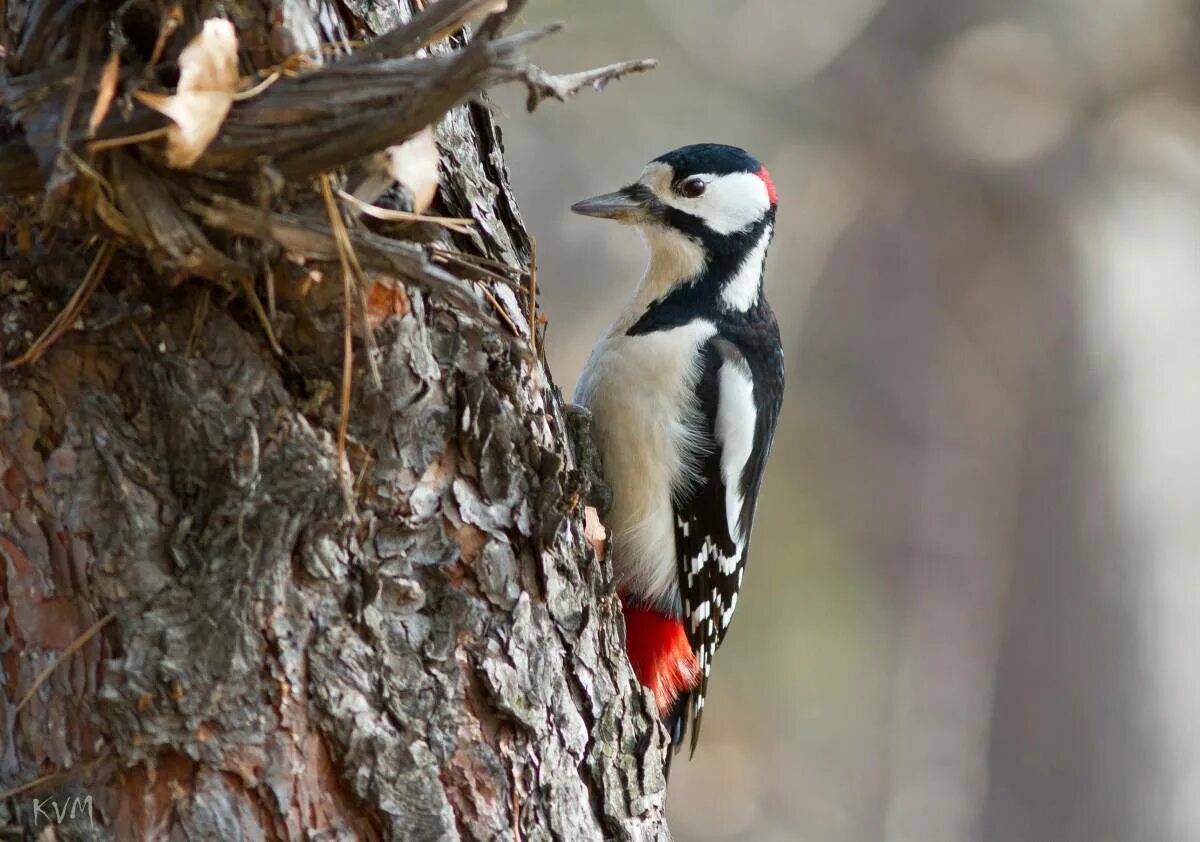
point(684, 390)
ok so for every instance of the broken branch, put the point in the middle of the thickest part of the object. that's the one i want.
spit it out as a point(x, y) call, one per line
point(542, 84)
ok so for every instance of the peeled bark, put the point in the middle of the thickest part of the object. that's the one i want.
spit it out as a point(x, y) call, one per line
point(224, 631)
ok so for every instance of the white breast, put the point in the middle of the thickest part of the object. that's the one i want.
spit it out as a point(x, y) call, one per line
point(640, 390)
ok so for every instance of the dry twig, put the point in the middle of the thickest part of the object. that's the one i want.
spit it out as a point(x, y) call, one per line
point(251, 92)
point(345, 250)
point(263, 319)
point(199, 315)
point(433, 23)
point(487, 293)
point(533, 296)
point(171, 19)
point(105, 92)
point(77, 771)
point(127, 140)
point(459, 225)
point(542, 84)
point(302, 236)
point(459, 261)
point(67, 316)
point(81, 63)
point(269, 276)
point(77, 644)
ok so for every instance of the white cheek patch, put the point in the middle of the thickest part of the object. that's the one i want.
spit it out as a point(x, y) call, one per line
point(730, 203)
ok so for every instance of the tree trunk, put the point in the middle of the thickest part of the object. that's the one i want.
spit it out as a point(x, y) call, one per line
point(221, 618)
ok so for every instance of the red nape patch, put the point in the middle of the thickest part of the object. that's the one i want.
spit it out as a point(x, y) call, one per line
point(766, 179)
point(662, 658)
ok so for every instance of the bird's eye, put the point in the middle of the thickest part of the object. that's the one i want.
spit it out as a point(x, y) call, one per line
point(692, 188)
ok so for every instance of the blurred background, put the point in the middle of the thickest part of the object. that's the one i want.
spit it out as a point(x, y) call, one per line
point(973, 604)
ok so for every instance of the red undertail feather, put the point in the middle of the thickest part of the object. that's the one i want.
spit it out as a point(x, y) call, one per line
point(662, 658)
point(766, 179)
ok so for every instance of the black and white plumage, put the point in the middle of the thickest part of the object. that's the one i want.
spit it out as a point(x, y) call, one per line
point(685, 390)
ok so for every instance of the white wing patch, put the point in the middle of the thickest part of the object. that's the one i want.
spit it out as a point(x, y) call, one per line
point(734, 429)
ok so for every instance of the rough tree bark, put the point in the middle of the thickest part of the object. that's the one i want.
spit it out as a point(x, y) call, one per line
point(214, 625)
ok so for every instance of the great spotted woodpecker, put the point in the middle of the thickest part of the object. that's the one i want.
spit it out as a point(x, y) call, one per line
point(684, 390)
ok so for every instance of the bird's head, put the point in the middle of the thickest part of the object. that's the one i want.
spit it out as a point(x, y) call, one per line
point(702, 190)
point(705, 209)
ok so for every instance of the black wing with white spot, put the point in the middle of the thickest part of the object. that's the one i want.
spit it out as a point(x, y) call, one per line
point(740, 393)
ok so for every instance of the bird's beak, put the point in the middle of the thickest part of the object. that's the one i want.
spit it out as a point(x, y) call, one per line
point(630, 204)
